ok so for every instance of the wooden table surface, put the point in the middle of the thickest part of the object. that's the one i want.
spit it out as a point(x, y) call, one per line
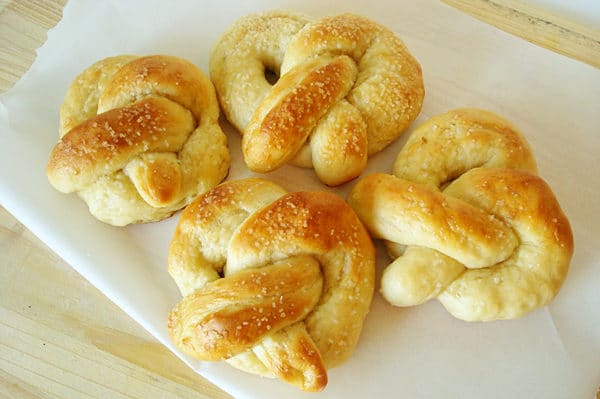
point(59, 336)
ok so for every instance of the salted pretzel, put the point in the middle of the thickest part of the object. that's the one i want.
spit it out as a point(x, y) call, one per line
point(277, 284)
point(467, 220)
point(139, 138)
point(347, 87)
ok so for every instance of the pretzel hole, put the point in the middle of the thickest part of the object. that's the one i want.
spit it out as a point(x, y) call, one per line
point(446, 183)
point(271, 75)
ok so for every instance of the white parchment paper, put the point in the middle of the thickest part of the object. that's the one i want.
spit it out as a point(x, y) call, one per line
point(420, 352)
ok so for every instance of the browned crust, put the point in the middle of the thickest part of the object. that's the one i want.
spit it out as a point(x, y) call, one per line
point(106, 143)
point(298, 280)
point(479, 205)
point(293, 111)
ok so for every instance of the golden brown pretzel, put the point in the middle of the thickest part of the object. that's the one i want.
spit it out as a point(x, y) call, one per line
point(139, 139)
point(276, 284)
point(347, 88)
point(484, 234)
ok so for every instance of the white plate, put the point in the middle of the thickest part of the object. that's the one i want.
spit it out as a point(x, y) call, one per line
point(417, 352)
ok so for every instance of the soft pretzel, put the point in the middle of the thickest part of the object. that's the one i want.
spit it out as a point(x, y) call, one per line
point(468, 220)
point(139, 138)
point(276, 284)
point(347, 88)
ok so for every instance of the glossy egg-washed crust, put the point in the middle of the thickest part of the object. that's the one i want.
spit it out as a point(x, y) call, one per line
point(139, 138)
point(347, 88)
point(276, 283)
point(467, 220)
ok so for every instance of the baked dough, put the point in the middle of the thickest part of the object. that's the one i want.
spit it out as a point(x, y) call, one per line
point(139, 138)
point(347, 88)
point(276, 284)
point(467, 220)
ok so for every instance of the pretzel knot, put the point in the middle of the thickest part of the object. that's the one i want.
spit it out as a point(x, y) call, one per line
point(483, 233)
point(276, 284)
point(347, 87)
point(139, 139)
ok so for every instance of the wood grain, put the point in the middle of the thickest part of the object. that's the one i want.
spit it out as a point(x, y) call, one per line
point(23, 29)
point(538, 26)
point(59, 336)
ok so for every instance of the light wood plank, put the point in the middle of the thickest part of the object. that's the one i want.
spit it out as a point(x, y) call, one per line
point(23, 28)
point(538, 26)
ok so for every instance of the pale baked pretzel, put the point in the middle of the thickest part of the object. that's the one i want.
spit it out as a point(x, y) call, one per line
point(276, 284)
point(485, 234)
point(139, 139)
point(347, 88)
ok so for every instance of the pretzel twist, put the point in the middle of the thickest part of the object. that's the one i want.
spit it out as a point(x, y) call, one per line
point(468, 220)
point(347, 88)
point(276, 284)
point(139, 138)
